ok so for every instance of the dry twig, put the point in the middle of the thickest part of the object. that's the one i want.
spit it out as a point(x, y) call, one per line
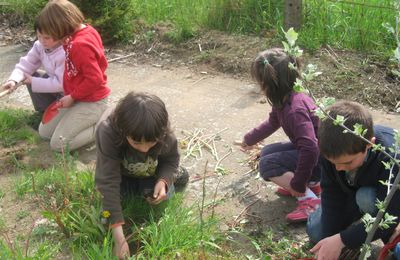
point(238, 217)
point(122, 57)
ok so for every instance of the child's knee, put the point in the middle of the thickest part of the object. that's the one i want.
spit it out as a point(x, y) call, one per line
point(56, 144)
point(44, 132)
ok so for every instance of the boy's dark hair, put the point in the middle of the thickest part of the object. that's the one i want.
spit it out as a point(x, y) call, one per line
point(141, 115)
point(272, 72)
point(333, 142)
point(60, 18)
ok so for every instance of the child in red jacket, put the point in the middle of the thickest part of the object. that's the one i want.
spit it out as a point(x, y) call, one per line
point(85, 82)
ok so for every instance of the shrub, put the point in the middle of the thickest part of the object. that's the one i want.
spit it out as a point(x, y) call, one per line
point(111, 18)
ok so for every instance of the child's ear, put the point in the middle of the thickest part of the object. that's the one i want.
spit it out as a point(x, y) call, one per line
point(372, 140)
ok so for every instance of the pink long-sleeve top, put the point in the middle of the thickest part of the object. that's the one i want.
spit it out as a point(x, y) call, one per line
point(52, 61)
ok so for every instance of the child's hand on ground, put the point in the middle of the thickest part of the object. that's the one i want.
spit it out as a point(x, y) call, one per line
point(28, 79)
point(66, 101)
point(160, 193)
point(243, 146)
point(121, 247)
point(328, 248)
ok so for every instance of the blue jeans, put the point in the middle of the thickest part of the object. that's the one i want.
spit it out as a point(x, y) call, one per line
point(396, 252)
point(365, 199)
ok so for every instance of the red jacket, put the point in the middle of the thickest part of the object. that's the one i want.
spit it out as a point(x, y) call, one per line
point(85, 64)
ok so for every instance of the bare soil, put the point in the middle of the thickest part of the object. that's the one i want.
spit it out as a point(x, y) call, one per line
point(206, 86)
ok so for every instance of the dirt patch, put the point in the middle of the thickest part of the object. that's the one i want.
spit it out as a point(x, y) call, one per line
point(346, 74)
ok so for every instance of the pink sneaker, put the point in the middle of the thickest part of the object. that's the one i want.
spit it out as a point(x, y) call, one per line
point(303, 210)
point(316, 188)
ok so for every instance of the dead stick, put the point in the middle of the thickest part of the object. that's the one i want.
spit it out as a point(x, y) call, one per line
point(254, 216)
point(200, 79)
point(245, 209)
point(5, 92)
point(197, 178)
point(255, 193)
point(222, 158)
point(120, 58)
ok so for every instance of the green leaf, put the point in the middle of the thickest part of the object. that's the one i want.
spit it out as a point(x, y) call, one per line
point(387, 165)
point(377, 147)
point(286, 47)
point(359, 130)
point(339, 120)
point(319, 113)
point(292, 66)
point(291, 36)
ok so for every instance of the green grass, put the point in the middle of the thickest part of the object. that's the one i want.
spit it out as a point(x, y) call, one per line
point(179, 231)
point(347, 26)
point(325, 22)
point(339, 24)
point(14, 127)
point(67, 198)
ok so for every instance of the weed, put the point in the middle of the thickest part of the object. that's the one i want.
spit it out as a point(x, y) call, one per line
point(13, 127)
point(22, 214)
point(2, 194)
point(92, 249)
point(45, 250)
point(178, 231)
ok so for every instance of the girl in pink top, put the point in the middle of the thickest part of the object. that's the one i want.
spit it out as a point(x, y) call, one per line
point(43, 88)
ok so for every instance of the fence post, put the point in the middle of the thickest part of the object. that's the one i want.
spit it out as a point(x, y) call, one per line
point(293, 14)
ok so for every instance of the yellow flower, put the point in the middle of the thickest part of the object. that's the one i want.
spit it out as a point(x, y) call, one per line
point(106, 214)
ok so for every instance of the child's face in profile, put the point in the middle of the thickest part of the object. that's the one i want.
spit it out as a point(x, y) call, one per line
point(142, 146)
point(349, 162)
point(47, 41)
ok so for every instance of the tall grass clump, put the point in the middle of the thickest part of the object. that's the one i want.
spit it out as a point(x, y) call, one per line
point(185, 16)
point(66, 197)
point(178, 231)
point(245, 16)
point(14, 128)
point(345, 25)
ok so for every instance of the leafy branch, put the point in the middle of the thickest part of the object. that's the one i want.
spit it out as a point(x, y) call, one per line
point(382, 219)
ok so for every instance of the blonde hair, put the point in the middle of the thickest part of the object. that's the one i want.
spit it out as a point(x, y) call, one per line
point(60, 18)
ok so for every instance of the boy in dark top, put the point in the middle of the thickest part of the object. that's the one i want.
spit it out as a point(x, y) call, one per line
point(136, 153)
point(351, 182)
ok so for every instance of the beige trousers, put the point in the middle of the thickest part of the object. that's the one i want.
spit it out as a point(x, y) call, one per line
point(73, 127)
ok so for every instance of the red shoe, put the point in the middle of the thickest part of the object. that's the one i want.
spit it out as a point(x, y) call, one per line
point(303, 210)
point(315, 188)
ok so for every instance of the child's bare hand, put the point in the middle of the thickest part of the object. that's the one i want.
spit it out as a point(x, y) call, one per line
point(66, 101)
point(28, 79)
point(121, 247)
point(243, 146)
point(11, 85)
point(160, 193)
